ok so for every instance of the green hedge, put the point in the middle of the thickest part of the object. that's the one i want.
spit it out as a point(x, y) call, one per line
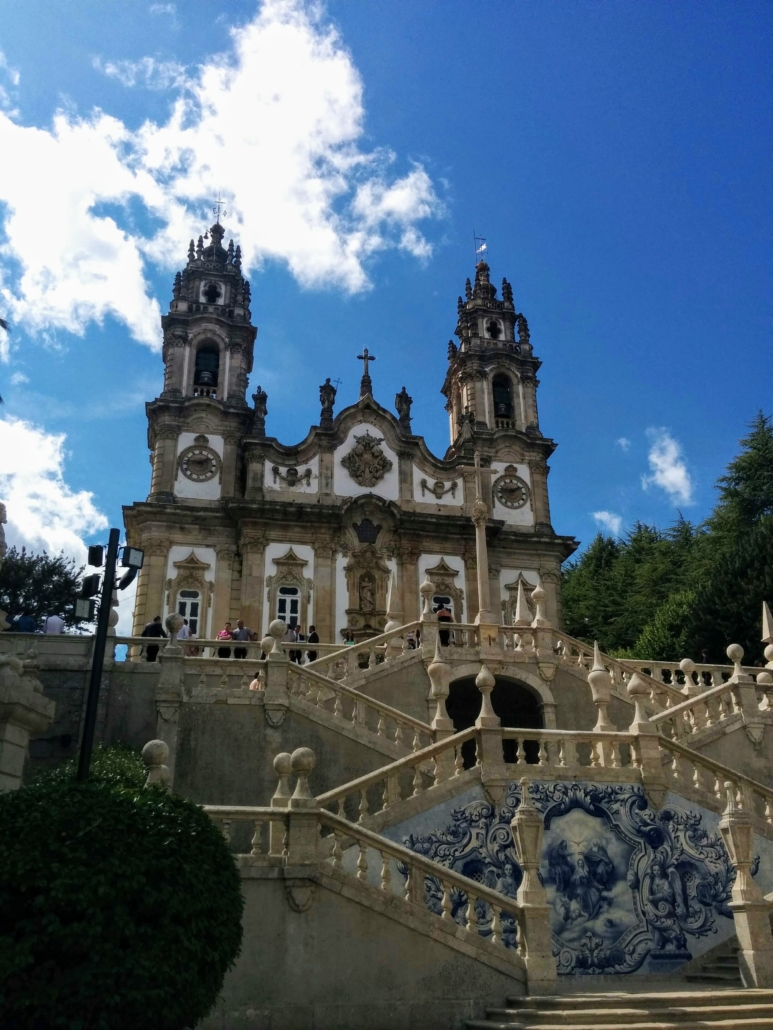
point(118, 764)
point(120, 908)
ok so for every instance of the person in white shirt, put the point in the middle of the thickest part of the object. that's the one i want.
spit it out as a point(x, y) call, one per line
point(184, 632)
point(53, 624)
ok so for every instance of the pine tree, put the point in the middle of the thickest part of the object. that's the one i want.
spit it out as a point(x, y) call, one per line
point(746, 489)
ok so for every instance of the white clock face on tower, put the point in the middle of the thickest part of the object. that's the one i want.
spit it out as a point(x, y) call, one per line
point(510, 490)
point(199, 463)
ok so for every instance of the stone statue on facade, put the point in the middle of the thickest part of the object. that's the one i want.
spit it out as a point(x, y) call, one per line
point(403, 405)
point(260, 398)
point(327, 396)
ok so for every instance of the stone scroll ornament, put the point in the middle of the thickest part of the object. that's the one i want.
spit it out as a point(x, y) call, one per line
point(627, 884)
point(366, 463)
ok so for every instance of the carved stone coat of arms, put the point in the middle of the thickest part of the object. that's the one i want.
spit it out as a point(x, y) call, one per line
point(366, 463)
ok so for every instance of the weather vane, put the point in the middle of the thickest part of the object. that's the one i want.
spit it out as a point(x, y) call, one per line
point(217, 208)
point(479, 246)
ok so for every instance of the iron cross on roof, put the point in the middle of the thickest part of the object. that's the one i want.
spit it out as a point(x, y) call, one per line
point(218, 208)
point(366, 357)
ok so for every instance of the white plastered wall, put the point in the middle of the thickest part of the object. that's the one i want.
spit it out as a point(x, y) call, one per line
point(183, 487)
point(274, 551)
point(345, 486)
point(427, 497)
point(179, 552)
point(514, 516)
point(428, 561)
point(277, 483)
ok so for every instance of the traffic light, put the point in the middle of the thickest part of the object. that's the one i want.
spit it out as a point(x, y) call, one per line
point(96, 556)
point(85, 609)
point(90, 585)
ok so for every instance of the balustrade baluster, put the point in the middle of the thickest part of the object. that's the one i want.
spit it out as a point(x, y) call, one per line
point(478, 755)
point(614, 748)
point(595, 760)
point(362, 860)
point(496, 926)
point(399, 739)
point(416, 741)
point(719, 788)
point(225, 829)
point(445, 904)
point(255, 843)
point(338, 708)
point(372, 658)
point(386, 872)
point(471, 922)
point(381, 727)
point(561, 754)
point(417, 780)
point(385, 795)
point(363, 805)
point(544, 758)
point(338, 850)
point(458, 762)
point(635, 754)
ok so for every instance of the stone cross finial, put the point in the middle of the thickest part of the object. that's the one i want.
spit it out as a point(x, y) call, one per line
point(366, 386)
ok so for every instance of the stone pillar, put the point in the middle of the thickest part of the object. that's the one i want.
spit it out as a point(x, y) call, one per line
point(253, 569)
point(164, 464)
point(255, 467)
point(745, 693)
point(539, 493)
point(303, 836)
point(24, 712)
point(153, 583)
point(648, 743)
point(439, 672)
point(491, 757)
point(169, 692)
point(326, 459)
point(222, 599)
point(275, 702)
point(230, 449)
point(325, 591)
point(534, 926)
point(405, 470)
point(408, 566)
point(751, 911)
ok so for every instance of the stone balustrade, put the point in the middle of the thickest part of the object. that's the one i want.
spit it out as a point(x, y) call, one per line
point(265, 847)
point(367, 653)
point(357, 709)
point(421, 882)
point(687, 676)
point(699, 713)
point(570, 753)
point(383, 788)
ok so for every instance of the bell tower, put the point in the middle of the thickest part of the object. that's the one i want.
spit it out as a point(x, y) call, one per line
point(207, 352)
point(491, 381)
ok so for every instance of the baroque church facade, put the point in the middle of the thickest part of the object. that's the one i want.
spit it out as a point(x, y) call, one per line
point(340, 529)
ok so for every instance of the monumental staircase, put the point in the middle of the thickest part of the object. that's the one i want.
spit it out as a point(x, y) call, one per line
point(405, 872)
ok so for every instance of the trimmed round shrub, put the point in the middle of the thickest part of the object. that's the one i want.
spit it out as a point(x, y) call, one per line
point(118, 764)
point(120, 909)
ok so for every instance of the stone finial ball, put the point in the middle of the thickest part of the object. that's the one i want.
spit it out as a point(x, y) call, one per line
point(277, 629)
point(267, 643)
point(303, 760)
point(174, 622)
point(734, 652)
point(283, 764)
point(426, 588)
point(484, 680)
point(637, 687)
point(155, 752)
point(687, 665)
point(769, 652)
point(538, 593)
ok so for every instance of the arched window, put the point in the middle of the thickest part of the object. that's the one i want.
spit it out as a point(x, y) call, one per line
point(188, 605)
point(503, 397)
point(288, 605)
point(207, 366)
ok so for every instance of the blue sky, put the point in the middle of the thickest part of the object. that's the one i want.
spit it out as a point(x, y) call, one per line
point(615, 155)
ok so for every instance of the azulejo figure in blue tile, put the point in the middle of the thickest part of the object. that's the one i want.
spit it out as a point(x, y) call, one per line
point(627, 884)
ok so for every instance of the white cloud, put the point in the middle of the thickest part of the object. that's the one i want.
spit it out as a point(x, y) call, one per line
point(162, 8)
point(8, 97)
point(609, 521)
point(276, 124)
point(147, 72)
point(668, 467)
point(44, 513)
point(624, 444)
point(18, 378)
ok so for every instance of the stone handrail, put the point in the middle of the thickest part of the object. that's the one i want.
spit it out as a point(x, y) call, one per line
point(698, 713)
point(354, 707)
point(349, 654)
point(698, 677)
point(417, 870)
point(558, 749)
point(692, 771)
point(387, 778)
point(227, 815)
point(662, 695)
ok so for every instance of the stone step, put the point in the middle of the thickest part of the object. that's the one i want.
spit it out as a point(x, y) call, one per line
point(633, 1016)
point(678, 1010)
point(708, 1023)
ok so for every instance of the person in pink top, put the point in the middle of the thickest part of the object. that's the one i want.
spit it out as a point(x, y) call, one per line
point(225, 634)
